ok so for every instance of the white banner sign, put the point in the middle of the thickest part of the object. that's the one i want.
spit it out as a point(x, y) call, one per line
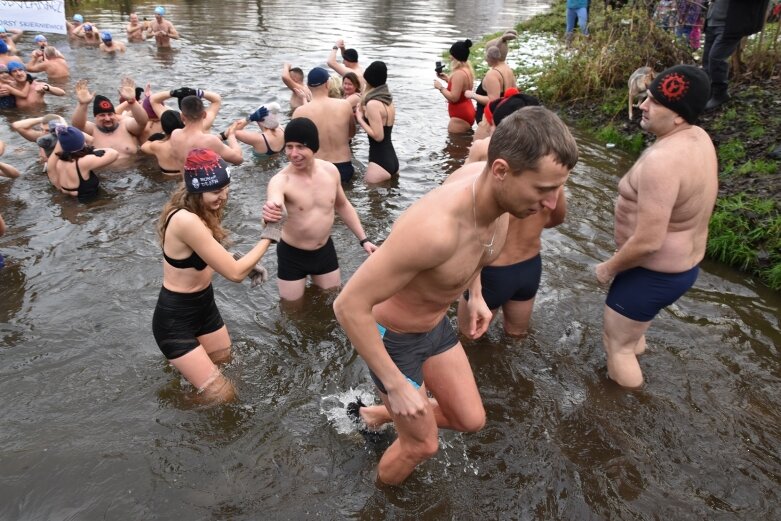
point(36, 17)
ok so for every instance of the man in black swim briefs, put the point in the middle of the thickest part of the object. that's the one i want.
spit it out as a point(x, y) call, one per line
point(311, 192)
point(335, 123)
point(664, 205)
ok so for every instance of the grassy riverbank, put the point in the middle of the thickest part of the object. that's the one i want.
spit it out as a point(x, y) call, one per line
point(588, 83)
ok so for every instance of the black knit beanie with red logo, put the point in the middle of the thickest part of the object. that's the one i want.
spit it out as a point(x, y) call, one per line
point(684, 89)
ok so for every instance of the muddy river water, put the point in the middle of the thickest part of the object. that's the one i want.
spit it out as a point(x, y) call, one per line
point(95, 426)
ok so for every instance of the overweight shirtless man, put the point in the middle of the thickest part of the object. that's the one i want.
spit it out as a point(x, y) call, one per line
point(394, 307)
point(310, 190)
point(111, 130)
point(335, 123)
point(664, 205)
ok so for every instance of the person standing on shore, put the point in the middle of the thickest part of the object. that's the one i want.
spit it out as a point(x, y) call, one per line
point(661, 218)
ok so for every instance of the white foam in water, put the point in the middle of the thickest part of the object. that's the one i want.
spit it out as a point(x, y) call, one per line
point(334, 407)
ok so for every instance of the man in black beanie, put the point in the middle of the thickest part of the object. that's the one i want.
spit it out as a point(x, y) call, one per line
point(310, 191)
point(661, 218)
point(109, 129)
point(349, 61)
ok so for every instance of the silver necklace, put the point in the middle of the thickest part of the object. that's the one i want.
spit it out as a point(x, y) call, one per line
point(490, 245)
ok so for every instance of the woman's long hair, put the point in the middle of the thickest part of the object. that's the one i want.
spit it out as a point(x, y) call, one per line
point(353, 78)
point(182, 199)
point(71, 156)
point(455, 65)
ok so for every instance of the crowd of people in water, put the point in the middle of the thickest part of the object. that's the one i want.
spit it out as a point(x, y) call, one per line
point(475, 240)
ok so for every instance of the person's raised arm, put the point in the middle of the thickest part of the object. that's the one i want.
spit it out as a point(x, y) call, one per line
point(246, 136)
point(157, 100)
point(287, 79)
point(21, 92)
point(103, 158)
point(83, 99)
point(127, 90)
point(50, 89)
point(333, 63)
point(25, 128)
point(215, 102)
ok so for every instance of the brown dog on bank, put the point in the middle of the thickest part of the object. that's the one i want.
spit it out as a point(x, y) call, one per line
point(638, 83)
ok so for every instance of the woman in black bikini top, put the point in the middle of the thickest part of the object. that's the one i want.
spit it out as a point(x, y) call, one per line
point(186, 324)
point(71, 158)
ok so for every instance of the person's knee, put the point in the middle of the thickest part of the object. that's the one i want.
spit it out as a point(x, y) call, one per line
point(624, 369)
point(422, 450)
point(221, 356)
point(219, 390)
point(472, 420)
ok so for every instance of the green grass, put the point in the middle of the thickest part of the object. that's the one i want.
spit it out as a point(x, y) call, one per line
point(745, 232)
point(629, 142)
point(731, 154)
point(757, 166)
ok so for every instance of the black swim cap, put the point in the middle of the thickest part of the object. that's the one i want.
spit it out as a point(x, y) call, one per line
point(304, 131)
point(170, 121)
point(350, 55)
point(376, 74)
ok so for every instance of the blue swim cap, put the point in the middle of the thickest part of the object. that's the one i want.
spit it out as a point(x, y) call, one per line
point(40, 38)
point(3, 47)
point(2, 29)
point(160, 10)
point(15, 66)
point(87, 27)
point(78, 18)
point(105, 36)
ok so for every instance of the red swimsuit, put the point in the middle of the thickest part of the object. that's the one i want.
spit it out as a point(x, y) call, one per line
point(463, 108)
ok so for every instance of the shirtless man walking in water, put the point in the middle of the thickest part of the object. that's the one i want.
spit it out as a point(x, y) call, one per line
point(111, 130)
point(664, 205)
point(394, 307)
point(311, 191)
point(335, 123)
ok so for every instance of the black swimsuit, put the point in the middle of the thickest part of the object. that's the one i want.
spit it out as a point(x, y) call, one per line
point(269, 152)
point(193, 261)
point(482, 92)
point(88, 188)
point(382, 152)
